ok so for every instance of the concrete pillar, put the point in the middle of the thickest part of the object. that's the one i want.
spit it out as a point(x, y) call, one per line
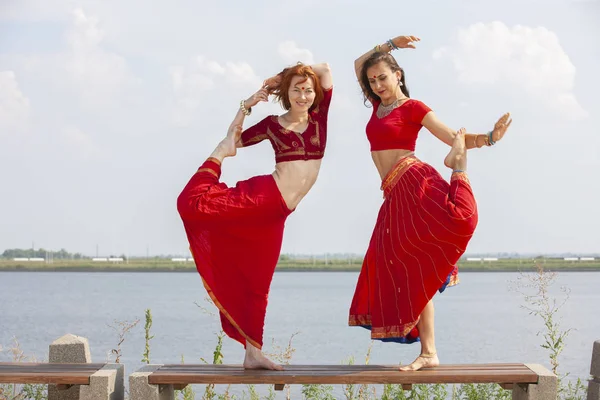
point(594, 384)
point(140, 389)
point(545, 389)
point(68, 349)
point(105, 384)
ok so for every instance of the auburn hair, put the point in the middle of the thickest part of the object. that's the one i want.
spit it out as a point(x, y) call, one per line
point(305, 71)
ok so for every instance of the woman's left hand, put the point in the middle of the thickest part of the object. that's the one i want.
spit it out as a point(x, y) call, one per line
point(272, 83)
point(501, 126)
point(406, 42)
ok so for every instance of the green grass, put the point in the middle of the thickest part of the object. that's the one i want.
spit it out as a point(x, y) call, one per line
point(161, 264)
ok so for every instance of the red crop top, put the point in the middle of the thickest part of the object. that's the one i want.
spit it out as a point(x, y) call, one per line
point(290, 145)
point(399, 129)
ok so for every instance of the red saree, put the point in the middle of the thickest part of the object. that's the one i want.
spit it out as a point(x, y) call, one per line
point(422, 229)
point(235, 236)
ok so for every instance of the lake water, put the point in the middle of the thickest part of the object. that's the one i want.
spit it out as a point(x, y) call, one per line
point(478, 321)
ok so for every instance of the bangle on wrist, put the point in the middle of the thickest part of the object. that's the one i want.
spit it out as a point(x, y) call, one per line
point(246, 111)
point(490, 138)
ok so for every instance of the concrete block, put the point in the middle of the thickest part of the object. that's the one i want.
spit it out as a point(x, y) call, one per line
point(140, 389)
point(593, 390)
point(545, 389)
point(68, 349)
point(105, 384)
point(595, 367)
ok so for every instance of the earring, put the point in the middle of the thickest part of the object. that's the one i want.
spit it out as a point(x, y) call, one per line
point(399, 82)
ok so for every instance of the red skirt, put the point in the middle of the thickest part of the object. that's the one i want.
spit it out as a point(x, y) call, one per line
point(422, 229)
point(235, 236)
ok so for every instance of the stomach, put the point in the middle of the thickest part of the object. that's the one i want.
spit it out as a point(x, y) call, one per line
point(295, 179)
point(386, 159)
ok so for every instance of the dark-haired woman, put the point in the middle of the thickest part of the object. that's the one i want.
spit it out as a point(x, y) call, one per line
point(235, 233)
point(425, 223)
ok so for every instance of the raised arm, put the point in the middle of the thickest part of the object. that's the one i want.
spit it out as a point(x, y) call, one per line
point(472, 140)
point(399, 42)
point(323, 71)
point(245, 109)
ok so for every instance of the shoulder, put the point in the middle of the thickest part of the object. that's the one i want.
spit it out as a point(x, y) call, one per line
point(418, 110)
point(418, 104)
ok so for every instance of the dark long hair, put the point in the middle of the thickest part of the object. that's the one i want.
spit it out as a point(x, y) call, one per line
point(373, 59)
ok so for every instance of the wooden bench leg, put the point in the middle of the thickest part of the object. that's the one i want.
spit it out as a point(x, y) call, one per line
point(180, 387)
point(407, 386)
point(507, 386)
point(279, 386)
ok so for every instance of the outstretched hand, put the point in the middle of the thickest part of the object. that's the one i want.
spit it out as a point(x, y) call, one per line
point(501, 126)
point(406, 42)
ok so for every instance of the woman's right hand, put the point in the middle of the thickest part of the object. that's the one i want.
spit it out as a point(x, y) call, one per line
point(261, 95)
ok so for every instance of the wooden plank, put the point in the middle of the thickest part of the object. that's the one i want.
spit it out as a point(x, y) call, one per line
point(180, 386)
point(342, 374)
point(221, 367)
point(46, 373)
point(507, 386)
point(279, 387)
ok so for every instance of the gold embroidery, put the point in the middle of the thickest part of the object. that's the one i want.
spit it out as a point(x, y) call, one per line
point(212, 171)
point(384, 332)
point(461, 176)
point(256, 139)
point(281, 147)
point(396, 173)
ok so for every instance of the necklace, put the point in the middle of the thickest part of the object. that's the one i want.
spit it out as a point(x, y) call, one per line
point(383, 111)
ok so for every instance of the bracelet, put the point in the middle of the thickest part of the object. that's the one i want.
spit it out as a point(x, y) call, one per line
point(490, 139)
point(246, 111)
point(390, 43)
point(456, 171)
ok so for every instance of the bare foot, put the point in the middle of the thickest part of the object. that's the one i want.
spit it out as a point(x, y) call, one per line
point(422, 362)
point(227, 146)
point(457, 158)
point(255, 359)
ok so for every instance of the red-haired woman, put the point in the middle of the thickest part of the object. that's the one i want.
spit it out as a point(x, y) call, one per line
point(425, 223)
point(235, 233)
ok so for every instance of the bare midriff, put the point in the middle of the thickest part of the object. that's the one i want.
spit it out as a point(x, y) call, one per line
point(295, 179)
point(386, 159)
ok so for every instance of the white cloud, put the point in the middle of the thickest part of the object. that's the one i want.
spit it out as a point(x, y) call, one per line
point(99, 75)
point(14, 106)
point(192, 83)
point(79, 143)
point(524, 58)
point(291, 53)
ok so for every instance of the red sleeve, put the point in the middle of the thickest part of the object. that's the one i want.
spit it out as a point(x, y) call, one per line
point(256, 133)
point(419, 111)
point(323, 108)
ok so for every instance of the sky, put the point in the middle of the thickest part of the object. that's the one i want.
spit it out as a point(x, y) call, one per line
point(107, 108)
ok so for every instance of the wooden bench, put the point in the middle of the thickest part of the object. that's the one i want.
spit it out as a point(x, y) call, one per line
point(528, 381)
point(94, 377)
